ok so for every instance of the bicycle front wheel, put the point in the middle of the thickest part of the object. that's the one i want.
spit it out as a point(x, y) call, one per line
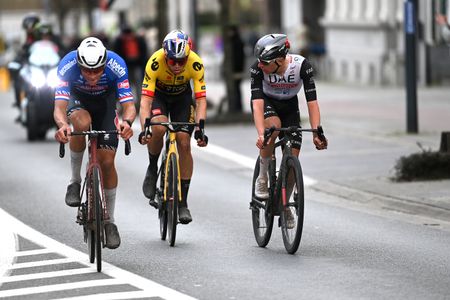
point(162, 209)
point(98, 194)
point(262, 218)
point(172, 199)
point(89, 232)
point(292, 205)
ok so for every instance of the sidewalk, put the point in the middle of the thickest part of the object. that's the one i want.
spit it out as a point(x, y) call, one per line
point(379, 114)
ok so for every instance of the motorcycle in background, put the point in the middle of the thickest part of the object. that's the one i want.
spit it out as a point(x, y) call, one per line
point(38, 79)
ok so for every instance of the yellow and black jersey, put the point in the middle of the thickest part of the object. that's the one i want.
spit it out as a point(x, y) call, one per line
point(159, 77)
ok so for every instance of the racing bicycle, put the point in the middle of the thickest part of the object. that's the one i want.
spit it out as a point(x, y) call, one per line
point(168, 194)
point(286, 193)
point(92, 213)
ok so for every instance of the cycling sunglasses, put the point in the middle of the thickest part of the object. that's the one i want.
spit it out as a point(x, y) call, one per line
point(180, 62)
point(265, 62)
point(93, 71)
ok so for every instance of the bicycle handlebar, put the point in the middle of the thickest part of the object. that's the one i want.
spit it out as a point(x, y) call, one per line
point(269, 131)
point(94, 133)
point(173, 126)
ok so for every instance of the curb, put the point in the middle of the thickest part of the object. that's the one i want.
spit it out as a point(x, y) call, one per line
point(384, 202)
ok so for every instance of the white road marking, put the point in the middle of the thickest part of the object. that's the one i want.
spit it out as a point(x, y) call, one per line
point(32, 252)
point(59, 287)
point(41, 263)
point(16, 278)
point(112, 296)
point(240, 159)
point(149, 288)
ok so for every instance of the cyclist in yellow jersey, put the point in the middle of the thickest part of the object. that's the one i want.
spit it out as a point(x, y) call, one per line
point(166, 91)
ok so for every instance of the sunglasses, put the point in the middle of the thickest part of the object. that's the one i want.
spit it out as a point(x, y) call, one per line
point(265, 62)
point(180, 62)
point(93, 71)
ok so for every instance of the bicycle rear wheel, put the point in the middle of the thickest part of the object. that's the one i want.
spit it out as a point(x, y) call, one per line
point(98, 194)
point(292, 205)
point(262, 217)
point(172, 199)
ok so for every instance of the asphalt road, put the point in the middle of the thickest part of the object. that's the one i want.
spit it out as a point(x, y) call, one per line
point(347, 251)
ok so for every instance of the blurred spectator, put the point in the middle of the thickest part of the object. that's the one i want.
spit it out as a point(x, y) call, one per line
point(29, 24)
point(443, 22)
point(133, 48)
point(45, 32)
point(238, 66)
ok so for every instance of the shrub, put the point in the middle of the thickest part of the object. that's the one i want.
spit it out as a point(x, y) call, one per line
point(425, 165)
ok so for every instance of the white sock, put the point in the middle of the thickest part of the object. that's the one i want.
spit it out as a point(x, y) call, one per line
point(76, 159)
point(263, 166)
point(110, 195)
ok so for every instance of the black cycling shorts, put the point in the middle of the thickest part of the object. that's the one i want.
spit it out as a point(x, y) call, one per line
point(103, 115)
point(180, 108)
point(288, 113)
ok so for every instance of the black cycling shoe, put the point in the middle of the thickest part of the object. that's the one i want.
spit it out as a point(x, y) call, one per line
point(112, 236)
point(73, 194)
point(149, 184)
point(153, 203)
point(184, 215)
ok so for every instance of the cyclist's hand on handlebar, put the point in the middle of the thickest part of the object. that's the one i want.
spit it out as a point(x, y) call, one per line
point(321, 143)
point(202, 139)
point(260, 142)
point(62, 134)
point(126, 132)
point(143, 138)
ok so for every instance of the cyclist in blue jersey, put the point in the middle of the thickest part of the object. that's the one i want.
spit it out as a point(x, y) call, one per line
point(92, 79)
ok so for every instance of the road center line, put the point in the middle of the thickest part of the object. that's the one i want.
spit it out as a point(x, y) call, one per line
point(240, 159)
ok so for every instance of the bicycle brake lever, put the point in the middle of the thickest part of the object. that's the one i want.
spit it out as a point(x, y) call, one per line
point(127, 147)
point(62, 150)
point(267, 133)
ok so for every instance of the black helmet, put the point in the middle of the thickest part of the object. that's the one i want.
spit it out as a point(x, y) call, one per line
point(30, 21)
point(271, 46)
point(44, 28)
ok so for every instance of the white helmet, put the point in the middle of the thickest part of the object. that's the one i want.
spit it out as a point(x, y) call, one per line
point(91, 53)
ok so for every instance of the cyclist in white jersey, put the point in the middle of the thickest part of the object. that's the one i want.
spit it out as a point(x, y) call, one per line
point(276, 79)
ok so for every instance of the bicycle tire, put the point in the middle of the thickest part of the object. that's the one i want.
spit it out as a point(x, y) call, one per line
point(91, 243)
point(98, 193)
point(262, 232)
point(294, 206)
point(90, 233)
point(162, 209)
point(172, 199)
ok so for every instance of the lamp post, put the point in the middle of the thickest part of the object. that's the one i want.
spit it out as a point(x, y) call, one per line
point(410, 14)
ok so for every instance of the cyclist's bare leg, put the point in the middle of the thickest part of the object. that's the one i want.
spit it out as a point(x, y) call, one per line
point(106, 161)
point(269, 122)
point(110, 180)
point(156, 142)
point(184, 150)
point(261, 185)
point(154, 148)
point(186, 167)
point(80, 120)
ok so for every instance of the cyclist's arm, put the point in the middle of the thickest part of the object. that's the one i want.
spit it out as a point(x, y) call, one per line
point(60, 116)
point(257, 101)
point(258, 116)
point(309, 86)
point(128, 116)
point(306, 73)
point(145, 109)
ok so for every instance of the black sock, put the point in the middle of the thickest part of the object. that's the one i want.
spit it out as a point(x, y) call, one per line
point(153, 159)
point(184, 191)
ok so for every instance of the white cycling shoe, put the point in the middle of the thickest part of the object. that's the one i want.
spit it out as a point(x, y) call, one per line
point(261, 189)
